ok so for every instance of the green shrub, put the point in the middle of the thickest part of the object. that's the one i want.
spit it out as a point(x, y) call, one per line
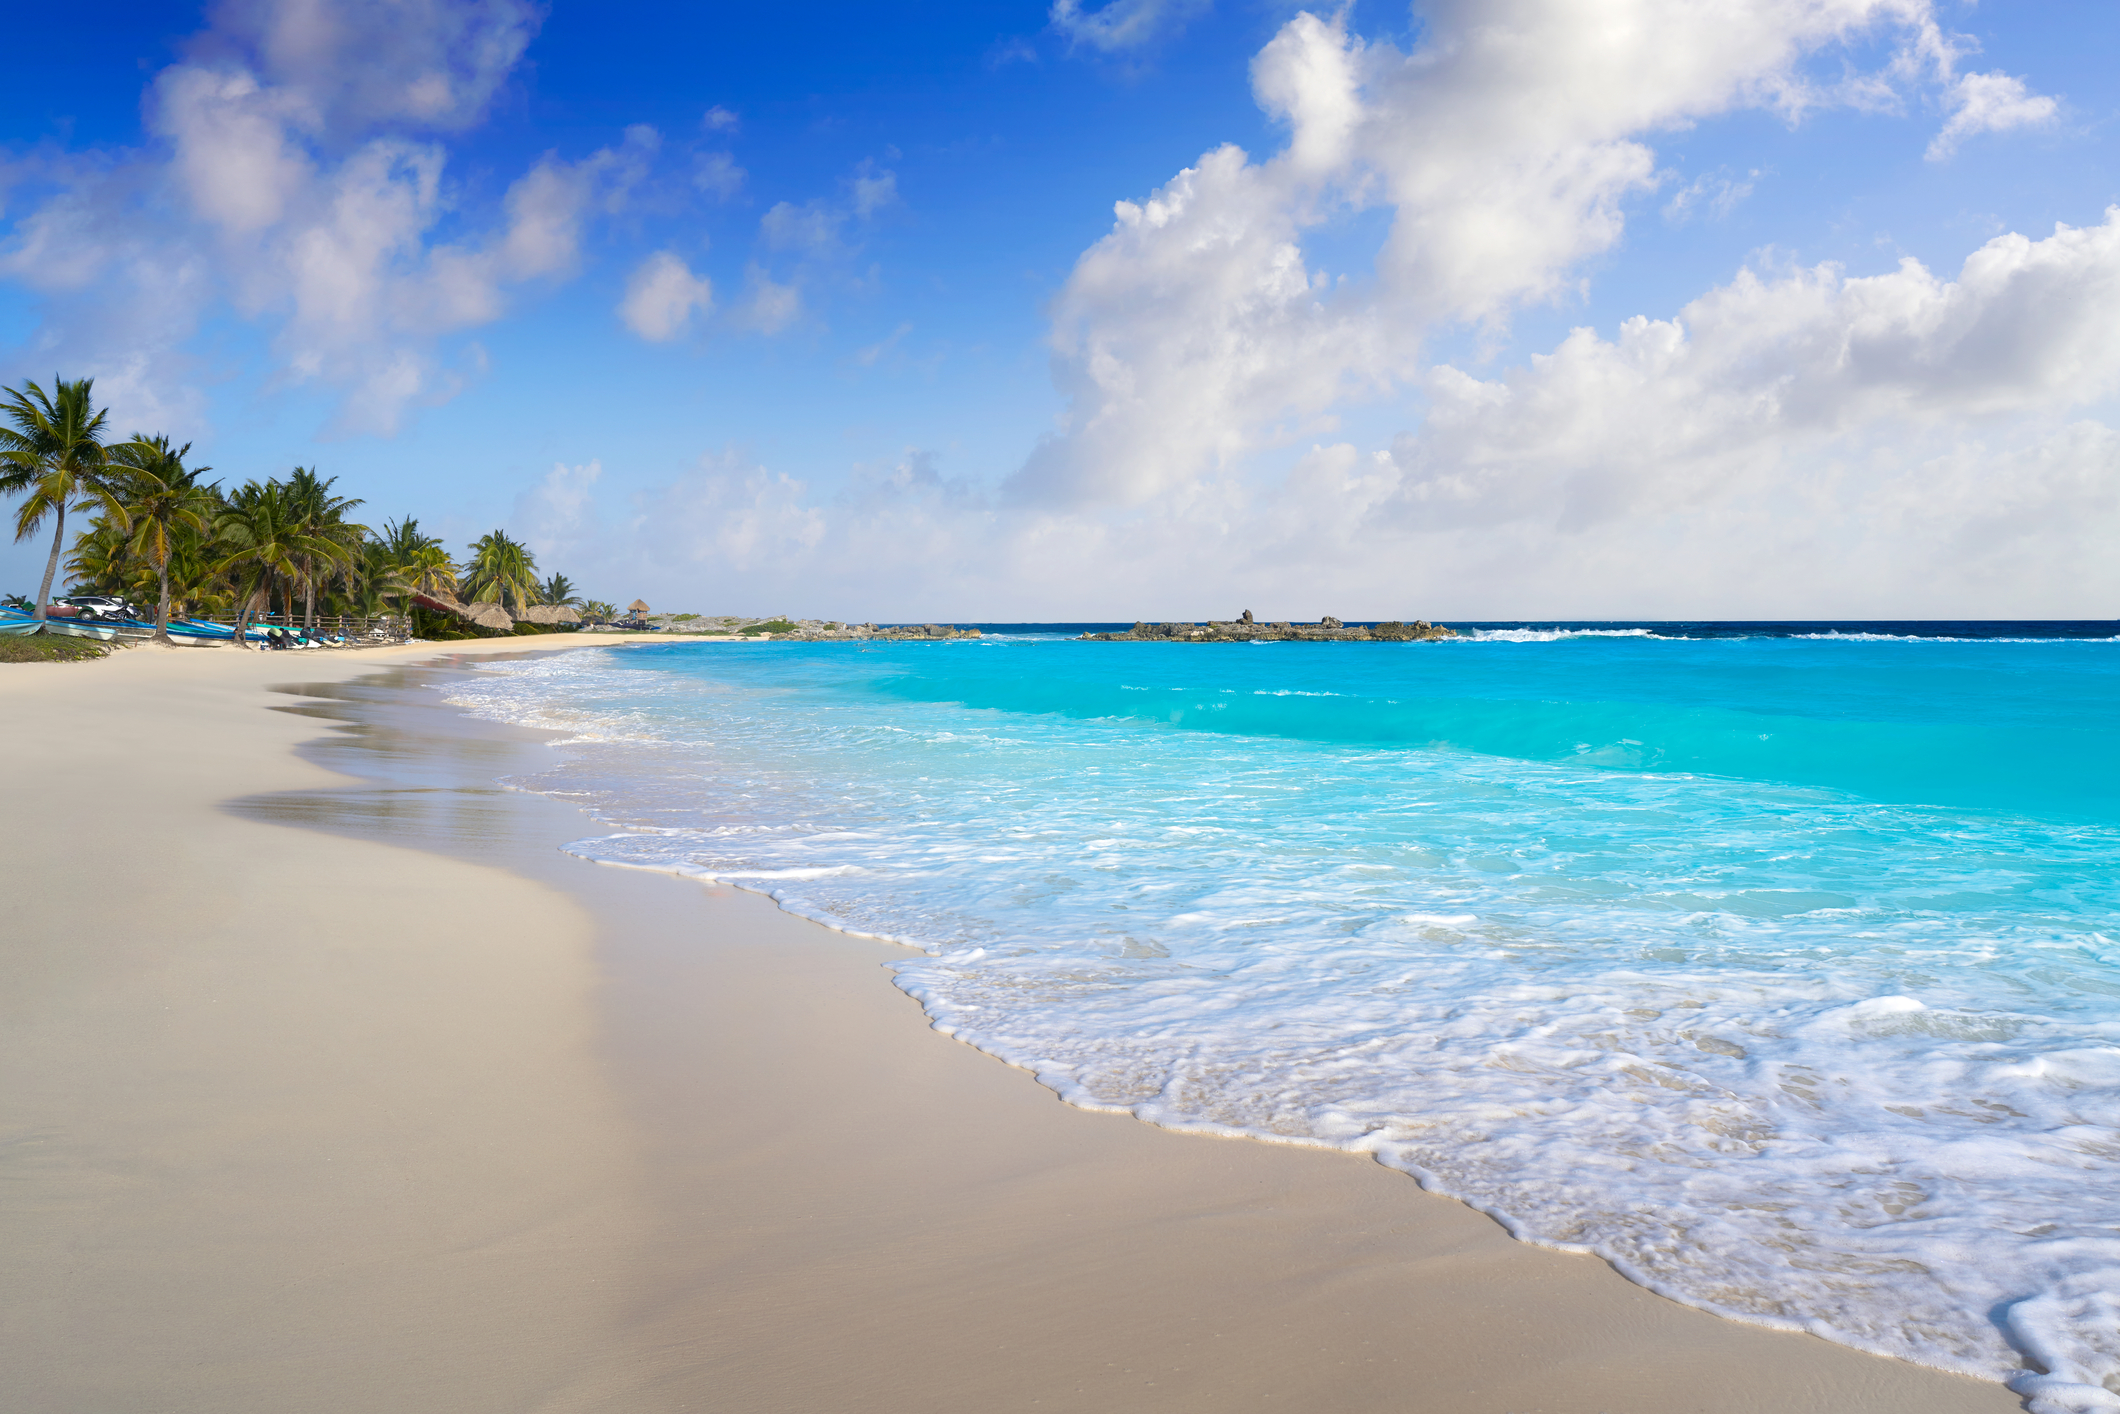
point(49, 648)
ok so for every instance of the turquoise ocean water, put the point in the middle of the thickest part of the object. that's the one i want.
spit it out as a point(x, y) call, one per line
point(1778, 965)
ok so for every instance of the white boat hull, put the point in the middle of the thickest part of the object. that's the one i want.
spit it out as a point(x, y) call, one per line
point(70, 629)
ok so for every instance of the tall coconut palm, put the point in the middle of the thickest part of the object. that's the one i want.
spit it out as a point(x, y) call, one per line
point(501, 570)
point(559, 590)
point(196, 583)
point(267, 547)
point(429, 570)
point(401, 537)
point(322, 516)
point(52, 455)
point(420, 560)
point(369, 598)
point(101, 560)
point(165, 499)
point(379, 577)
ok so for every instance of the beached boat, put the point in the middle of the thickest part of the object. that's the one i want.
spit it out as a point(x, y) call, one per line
point(81, 628)
point(203, 633)
point(105, 630)
point(17, 624)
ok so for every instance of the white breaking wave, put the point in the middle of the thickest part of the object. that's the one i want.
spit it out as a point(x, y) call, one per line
point(1932, 638)
point(1546, 635)
point(1788, 1056)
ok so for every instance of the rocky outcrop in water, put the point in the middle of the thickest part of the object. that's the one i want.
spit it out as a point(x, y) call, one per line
point(922, 631)
point(811, 629)
point(801, 630)
point(1244, 629)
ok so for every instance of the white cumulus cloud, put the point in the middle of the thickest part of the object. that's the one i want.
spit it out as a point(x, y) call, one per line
point(1716, 194)
point(1796, 441)
point(1990, 103)
point(300, 173)
point(1763, 374)
point(558, 516)
point(662, 296)
point(1505, 145)
point(717, 174)
point(1121, 25)
point(768, 306)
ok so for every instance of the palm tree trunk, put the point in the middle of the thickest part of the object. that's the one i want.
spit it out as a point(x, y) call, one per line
point(51, 566)
point(162, 609)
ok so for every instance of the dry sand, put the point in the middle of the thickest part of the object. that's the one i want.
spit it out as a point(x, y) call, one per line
point(405, 1112)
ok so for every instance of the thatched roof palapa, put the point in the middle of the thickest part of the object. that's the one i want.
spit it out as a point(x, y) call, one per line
point(638, 606)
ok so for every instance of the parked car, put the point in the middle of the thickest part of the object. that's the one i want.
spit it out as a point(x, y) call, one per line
point(99, 606)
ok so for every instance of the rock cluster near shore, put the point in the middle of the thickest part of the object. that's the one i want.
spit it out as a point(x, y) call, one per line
point(809, 629)
point(1244, 629)
point(781, 627)
point(920, 631)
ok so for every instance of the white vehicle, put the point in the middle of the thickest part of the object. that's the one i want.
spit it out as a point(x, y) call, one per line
point(102, 606)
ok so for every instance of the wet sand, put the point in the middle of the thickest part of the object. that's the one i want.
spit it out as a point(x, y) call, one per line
point(358, 1094)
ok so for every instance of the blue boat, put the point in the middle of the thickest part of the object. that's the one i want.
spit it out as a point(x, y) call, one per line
point(105, 630)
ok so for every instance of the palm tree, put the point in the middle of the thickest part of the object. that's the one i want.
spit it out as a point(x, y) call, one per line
point(267, 547)
point(500, 570)
point(165, 499)
point(369, 599)
point(401, 537)
point(596, 611)
point(101, 560)
point(381, 577)
point(53, 454)
point(430, 569)
point(322, 516)
point(420, 559)
point(559, 590)
point(196, 583)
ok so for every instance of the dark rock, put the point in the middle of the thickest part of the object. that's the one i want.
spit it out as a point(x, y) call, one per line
point(1246, 630)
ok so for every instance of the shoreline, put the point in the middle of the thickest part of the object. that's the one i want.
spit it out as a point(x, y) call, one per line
point(743, 1171)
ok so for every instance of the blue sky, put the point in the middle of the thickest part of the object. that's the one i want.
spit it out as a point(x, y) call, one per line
point(830, 312)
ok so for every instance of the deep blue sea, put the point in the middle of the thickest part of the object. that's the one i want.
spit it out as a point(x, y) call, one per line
point(1778, 964)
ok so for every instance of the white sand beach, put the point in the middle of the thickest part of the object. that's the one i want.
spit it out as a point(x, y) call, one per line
point(414, 1113)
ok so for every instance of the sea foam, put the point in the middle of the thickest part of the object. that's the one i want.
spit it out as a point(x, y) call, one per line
point(1829, 1039)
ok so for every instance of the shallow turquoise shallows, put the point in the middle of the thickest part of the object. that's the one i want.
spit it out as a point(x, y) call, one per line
point(1782, 971)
